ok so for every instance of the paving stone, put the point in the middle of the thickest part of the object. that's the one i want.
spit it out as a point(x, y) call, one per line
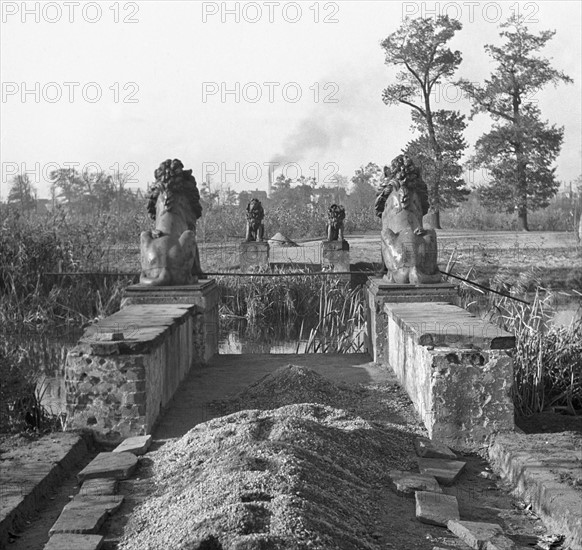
point(67, 541)
point(435, 508)
point(86, 514)
point(474, 533)
point(137, 445)
point(109, 465)
point(98, 486)
point(425, 448)
point(500, 542)
point(409, 482)
point(445, 471)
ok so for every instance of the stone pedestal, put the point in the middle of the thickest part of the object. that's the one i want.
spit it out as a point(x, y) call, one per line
point(456, 368)
point(126, 368)
point(253, 255)
point(335, 254)
point(380, 292)
point(204, 295)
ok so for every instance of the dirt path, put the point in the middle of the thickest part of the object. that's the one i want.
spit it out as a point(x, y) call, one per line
point(481, 497)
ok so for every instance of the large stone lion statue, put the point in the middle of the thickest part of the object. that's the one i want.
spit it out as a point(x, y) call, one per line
point(169, 253)
point(335, 222)
point(255, 227)
point(409, 251)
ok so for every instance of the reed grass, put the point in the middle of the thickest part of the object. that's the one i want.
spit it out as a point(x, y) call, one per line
point(342, 320)
point(547, 360)
point(327, 303)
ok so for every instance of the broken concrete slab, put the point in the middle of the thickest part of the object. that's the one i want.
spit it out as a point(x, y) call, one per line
point(109, 465)
point(445, 471)
point(85, 514)
point(500, 542)
point(409, 482)
point(98, 486)
point(435, 508)
point(426, 448)
point(474, 533)
point(137, 445)
point(67, 541)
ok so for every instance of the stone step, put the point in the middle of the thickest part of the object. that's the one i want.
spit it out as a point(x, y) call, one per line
point(68, 541)
point(137, 445)
point(109, 465)
point(426, 448)
point(435, 508)
point(86, 514)
point(409, 482)
point(445, 471)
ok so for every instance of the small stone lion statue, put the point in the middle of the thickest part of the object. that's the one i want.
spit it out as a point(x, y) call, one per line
point(255, 227)
point(335, 222)
point(169, 252)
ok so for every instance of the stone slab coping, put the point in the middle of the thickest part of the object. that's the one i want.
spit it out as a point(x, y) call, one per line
point(200, 286)
point(441, 324)
point(384, 285)
point(142, 326)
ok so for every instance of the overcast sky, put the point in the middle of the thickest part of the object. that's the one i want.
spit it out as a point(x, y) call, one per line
point(129, 84)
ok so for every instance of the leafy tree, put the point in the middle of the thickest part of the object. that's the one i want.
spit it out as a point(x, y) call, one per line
point(92, 192)
point(67, 185)
point(419, 48)
point(22, 193)
point(288, 193)
point(365, 183)
point(520, 148)
point(449, 127)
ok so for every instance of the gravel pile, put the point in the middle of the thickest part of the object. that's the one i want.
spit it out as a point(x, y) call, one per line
point(293, 384)
point(296, 477)
point(287, 386)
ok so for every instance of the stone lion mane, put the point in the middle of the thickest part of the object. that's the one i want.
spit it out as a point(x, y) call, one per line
point(402, 173)
point(177, 183)
point(255, 211)
point(336, 214)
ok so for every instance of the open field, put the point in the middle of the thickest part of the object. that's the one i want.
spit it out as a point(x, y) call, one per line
point(557, 256)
